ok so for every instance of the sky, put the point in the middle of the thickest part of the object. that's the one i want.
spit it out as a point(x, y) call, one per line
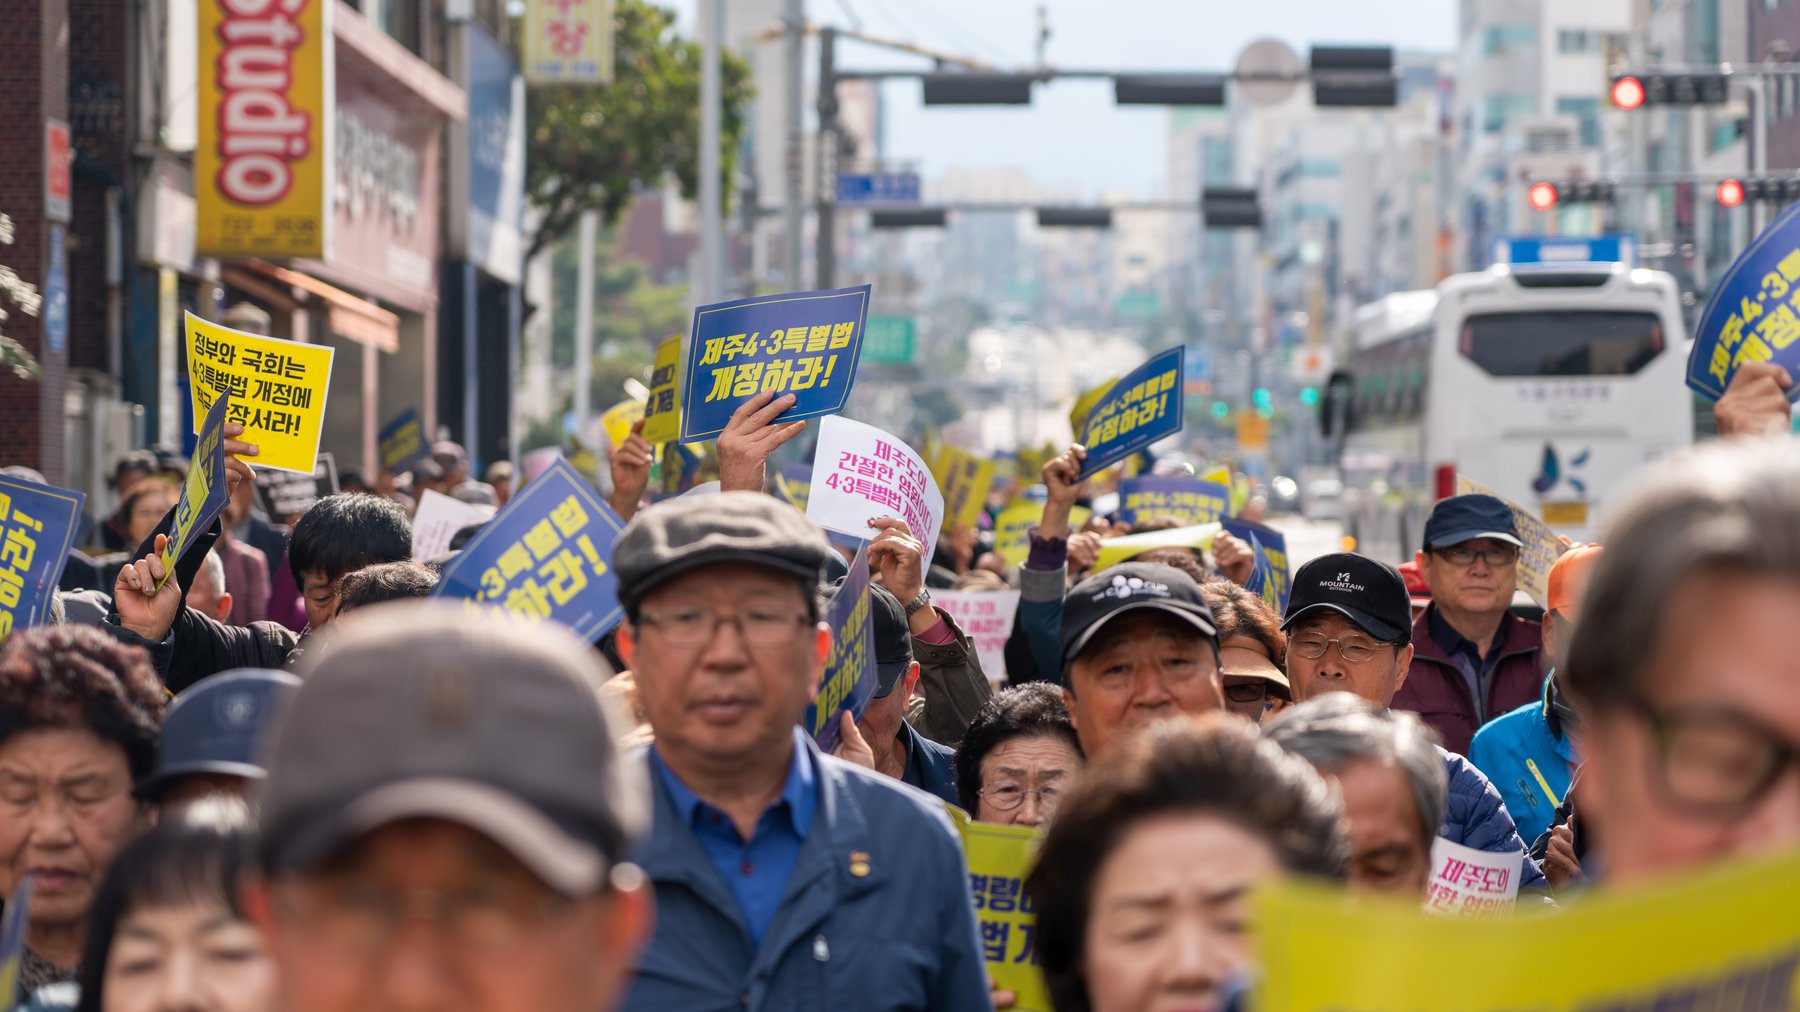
point(1073, 135)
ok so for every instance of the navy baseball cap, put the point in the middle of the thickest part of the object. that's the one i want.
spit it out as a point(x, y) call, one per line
point(1371, 594)
point(218, 725)
point(893, 639)
point(1463, 518)
point(1127, 587)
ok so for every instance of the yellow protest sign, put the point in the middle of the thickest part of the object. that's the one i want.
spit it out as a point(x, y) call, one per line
point(1084, 405)
point(965, 480)
point(618, 420)
point(662, 411)
point(1012, 528)
point(1542, 545)
point(999, 856)
point(1220, 474)
point(1116, 550)
point(278, 390)
point(1726, 939)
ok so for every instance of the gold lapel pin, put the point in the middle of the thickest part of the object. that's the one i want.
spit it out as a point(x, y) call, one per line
point(859, 863)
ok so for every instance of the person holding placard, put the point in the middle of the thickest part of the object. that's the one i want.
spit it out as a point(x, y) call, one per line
point(772, 862)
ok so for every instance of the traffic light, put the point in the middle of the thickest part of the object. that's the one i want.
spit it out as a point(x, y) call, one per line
point(1074, 217)
point(908, 217)
point(1230, 207)
point(1354, 76)
point(1309, 396)
point(1220, 411)
point(1635, 91)
point(978, 89)
point(1546, 194)
point(1169, 89)
point(1733, 192)
point(1262, 398)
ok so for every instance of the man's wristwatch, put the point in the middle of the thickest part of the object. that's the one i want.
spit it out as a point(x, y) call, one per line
point(917, 604)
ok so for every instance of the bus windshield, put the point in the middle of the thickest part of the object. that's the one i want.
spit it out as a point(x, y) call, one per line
point(1562, 342)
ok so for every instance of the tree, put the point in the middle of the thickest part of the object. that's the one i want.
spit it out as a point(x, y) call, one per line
point(632, 314)
point(13, 356)
point(591, 147)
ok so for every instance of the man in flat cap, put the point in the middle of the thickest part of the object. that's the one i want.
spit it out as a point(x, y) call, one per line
point(785, 879)
point(446, 822)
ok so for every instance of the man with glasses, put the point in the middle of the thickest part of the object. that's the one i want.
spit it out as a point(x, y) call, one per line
point(1684, 666)
point(1348, 631)
point(884, 736)
point(1473, 659)
point(785, 879)
point(446, 822)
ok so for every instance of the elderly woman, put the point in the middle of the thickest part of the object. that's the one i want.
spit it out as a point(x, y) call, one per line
point(167, 932)
point(1252, 650)
point(80, 714)
point(1018, 756)
point(1142, 885)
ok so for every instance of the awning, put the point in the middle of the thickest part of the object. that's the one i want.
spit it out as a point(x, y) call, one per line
point(356, 319)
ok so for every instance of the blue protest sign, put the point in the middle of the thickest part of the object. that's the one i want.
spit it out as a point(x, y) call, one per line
point(12, 938)
point(37, 529)
point(1751, 316)
point(1138, 410)
point(801, 343)
point(849, 681)
point(1270, 578)
point(402, 441)
point(1192, 501)
point(546, 555)
point(205, 494)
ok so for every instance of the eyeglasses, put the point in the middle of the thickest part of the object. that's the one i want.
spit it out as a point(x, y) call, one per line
point(364, 919)
point(1006, 797)
point(693, 627)
point(1247, 692)
point(1463, 555)
point(1354, 649)
point(1716, 763)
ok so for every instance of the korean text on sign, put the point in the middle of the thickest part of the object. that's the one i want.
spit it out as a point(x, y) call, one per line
point(999, 857)
point(849, 681)
point(1013, 526)
point(861, 473)
point(803, 343)
point(1466, 882)
point(966, 480)
point(402, 441)
point(1754, 312)
point(1189, 500)
point(547, 555)
point(277, 390)
point(662, 415)
point(569, 41)
point(204, 495)
point(987, 617)
point(37, 529)
point(1138, 410)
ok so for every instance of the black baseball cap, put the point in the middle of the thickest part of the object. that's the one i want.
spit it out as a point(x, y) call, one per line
point(1127, 587)
point(218, 725)
point(687, 532)
point(1463, 518)
point(427, 709)
point(1370, 594)
point(893, 639)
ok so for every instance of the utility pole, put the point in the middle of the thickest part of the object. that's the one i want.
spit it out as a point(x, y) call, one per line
point(825, 187)
point(793, 213)
point(712, 222)
point(584, 314)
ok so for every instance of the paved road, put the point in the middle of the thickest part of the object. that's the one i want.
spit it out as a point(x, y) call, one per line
point(1307, 539)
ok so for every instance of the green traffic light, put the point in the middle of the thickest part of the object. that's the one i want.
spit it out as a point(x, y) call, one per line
point(1220, 410)
point(1262, 397)
point(1309, 395)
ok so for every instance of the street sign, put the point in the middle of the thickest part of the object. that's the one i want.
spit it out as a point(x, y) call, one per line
point(56, 294)
point(877, 189)
point(59, 179)
point(1565, 249)
point(888, 340)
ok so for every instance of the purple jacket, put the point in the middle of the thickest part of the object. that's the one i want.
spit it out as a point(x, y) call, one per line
point(1436, 691)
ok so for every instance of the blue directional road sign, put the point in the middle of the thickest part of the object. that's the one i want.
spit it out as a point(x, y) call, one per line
point(877, 189)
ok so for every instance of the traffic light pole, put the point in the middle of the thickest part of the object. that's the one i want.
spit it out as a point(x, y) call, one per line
point(825, 246)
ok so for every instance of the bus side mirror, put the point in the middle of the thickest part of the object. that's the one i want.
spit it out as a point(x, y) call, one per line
point(1334, 404)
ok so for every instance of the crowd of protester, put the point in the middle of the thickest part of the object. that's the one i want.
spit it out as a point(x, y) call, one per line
point(279, 780)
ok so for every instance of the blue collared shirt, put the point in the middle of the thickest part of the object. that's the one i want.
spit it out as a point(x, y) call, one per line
point(756, 871)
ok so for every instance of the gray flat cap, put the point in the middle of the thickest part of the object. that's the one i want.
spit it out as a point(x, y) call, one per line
point(682, 534)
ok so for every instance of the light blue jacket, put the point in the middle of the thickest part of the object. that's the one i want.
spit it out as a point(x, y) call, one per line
point(876, 917)
point(1502, 749)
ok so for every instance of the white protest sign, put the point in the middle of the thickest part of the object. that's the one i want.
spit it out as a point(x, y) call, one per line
point(437, 521)
point(1466, 882)
point(987, 616)
point(861, 473)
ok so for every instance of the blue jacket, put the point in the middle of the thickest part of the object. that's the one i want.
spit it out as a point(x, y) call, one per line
point(876, 917)
point(929, 766)
point(1501, 749)
point(1476, 817)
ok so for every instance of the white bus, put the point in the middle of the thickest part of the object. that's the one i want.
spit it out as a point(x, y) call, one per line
point(1549, 385)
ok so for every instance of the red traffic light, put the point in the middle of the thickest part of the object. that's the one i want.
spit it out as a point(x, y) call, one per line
point(1628, 93)
point(1731, 193)
point(1541, 196)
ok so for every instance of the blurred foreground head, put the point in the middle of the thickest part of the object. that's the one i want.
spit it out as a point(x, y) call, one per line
point(1684, 669)
point(446, 821)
